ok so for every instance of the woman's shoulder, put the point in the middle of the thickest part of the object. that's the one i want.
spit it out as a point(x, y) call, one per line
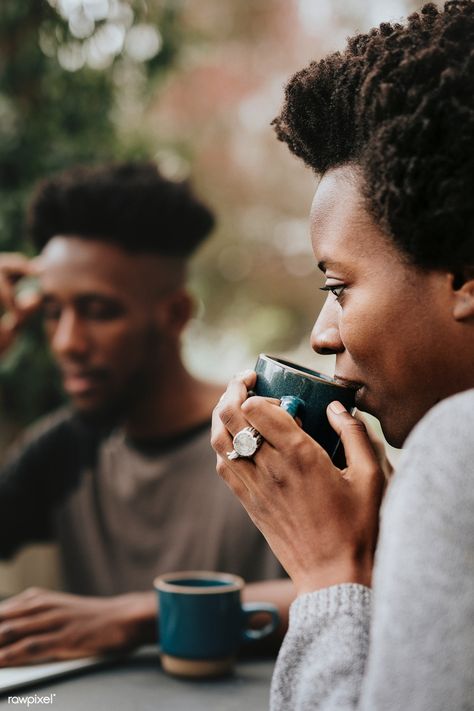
point(450, 422)
point(437, 462)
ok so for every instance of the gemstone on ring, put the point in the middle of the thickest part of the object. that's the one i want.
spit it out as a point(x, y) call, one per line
point(246, 442)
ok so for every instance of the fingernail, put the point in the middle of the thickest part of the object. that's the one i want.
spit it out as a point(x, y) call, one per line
point(337, 407)
point(244, 374)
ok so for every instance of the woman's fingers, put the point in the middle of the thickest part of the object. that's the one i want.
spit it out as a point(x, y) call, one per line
point(233, 471)
point(229, 406)
point(277, 427)
point(378, 446)
point(362, 465)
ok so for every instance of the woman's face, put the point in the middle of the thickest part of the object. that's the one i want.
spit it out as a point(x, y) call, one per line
point(389, 323)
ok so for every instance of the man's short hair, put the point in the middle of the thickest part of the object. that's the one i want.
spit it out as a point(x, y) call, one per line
point(398, 103)
point(127, 204)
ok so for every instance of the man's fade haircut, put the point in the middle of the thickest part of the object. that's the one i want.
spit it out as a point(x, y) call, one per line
point(398, 103)
point(128, 204)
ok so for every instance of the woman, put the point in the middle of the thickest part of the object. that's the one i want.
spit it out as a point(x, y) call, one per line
point(388, 126)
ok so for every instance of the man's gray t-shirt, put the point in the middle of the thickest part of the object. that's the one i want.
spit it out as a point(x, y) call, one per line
point(123, 512)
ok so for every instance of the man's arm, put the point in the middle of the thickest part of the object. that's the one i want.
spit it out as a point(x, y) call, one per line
point(38, 472)
point(22, 508)
point(40, 624)
point(417, 651)
point(280, 593)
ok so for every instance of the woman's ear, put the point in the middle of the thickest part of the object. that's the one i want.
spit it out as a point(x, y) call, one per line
point(463, 292)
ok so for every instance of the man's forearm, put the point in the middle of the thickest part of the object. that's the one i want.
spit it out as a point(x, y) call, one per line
point(279, 592)
point(141, 609)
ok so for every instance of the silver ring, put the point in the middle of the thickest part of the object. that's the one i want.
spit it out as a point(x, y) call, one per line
point(246, 442)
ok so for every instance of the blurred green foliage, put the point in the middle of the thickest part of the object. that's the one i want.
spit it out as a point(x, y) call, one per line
point(59, 106)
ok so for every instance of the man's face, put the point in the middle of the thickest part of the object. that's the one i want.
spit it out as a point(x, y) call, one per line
point(100, 308)
point(390, 324)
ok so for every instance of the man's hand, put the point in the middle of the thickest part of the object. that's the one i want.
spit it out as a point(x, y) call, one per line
point(15, 308)
point(40, 625)
point(321, 521)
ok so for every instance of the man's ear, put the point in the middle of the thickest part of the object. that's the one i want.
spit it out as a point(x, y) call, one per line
point(463, 291)
point(176, 311)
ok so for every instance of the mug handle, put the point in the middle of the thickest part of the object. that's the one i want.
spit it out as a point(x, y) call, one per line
point(291, 404)
point(250, 609)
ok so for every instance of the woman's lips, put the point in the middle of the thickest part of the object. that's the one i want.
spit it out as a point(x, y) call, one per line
point(360, 394)
point(348, 383)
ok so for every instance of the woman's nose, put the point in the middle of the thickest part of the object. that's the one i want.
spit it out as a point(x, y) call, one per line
point(325, 336)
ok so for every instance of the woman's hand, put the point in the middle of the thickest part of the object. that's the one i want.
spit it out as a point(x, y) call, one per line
point(320, 521)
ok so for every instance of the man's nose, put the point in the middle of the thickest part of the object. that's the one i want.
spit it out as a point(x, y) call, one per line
point(325, 336)
point(69, 337)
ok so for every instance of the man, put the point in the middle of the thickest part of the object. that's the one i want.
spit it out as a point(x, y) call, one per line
point(123, 479)
point(388, 126)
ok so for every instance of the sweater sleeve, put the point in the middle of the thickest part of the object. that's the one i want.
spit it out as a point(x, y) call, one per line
point(322, 659)
point(412, 645)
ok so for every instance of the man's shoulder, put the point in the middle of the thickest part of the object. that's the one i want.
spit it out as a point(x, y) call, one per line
point(62, 417)
point(45, 432)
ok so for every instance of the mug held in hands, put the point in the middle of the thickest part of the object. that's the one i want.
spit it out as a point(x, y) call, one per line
point(202, 622)
point(279, 378)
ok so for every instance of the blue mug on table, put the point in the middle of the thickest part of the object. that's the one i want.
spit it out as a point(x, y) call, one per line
point(202, 622)
point(307, 394)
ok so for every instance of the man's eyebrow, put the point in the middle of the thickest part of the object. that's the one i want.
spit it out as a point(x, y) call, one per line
point(85, 296)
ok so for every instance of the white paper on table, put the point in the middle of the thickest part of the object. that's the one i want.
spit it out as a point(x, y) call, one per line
point(12, 678)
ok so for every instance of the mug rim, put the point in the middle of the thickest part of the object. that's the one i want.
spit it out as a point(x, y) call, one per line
point(312, 375)
point(233, 583)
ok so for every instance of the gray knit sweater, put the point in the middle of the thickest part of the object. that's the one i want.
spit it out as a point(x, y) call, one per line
point(408, 645)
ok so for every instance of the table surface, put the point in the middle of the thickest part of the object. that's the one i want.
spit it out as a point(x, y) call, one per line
point(139, 684)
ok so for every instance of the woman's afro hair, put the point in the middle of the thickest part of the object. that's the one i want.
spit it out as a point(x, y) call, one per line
point(399, 104)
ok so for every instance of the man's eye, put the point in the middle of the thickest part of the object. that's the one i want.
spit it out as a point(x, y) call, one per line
point(51, 312)
point(336, 289)
point(100, 310)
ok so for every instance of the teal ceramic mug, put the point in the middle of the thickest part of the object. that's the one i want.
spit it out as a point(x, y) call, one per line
point(202, 622)
point(280, 378)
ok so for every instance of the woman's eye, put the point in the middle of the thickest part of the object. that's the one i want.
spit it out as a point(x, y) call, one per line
point(335, 289)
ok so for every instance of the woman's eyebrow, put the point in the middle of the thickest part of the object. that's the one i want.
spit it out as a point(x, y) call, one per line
point(324, 264)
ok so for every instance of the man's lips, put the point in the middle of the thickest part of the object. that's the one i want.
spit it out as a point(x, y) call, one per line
point(80, 381)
